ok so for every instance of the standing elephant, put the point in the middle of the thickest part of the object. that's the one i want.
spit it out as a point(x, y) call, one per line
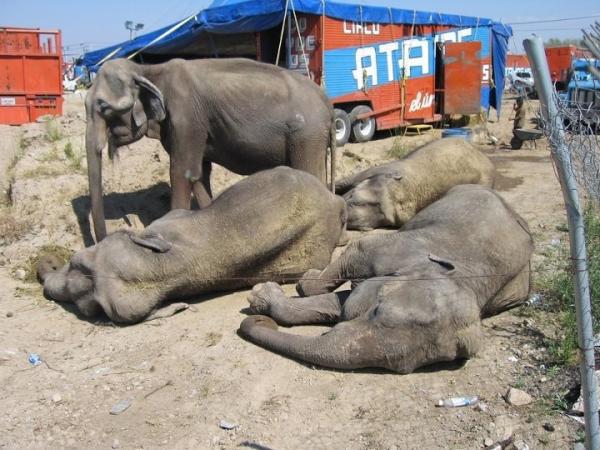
point(422, 290)
point(244, 115)
point(389, 195)
point(276, 223)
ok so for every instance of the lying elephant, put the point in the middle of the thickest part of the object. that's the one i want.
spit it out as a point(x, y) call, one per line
point(391, 194)
point(422, 290)
point(274, 224)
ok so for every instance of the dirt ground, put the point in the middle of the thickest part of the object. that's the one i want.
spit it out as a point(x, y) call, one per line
point(185, 374)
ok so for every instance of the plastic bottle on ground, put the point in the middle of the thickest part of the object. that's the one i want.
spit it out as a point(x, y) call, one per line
point(455, 402)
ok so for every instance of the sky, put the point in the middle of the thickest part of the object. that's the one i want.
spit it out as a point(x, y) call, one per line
point(93, 24)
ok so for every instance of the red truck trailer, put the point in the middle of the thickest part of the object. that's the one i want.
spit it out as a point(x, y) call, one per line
point(559, 62)
point(30, 74)
point(381, 67)
point(383, 76)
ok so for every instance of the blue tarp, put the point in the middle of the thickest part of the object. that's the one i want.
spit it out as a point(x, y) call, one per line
point(242, 16)
point(239, 16)
point(500, 35)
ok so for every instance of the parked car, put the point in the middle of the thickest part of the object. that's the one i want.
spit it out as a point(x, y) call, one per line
point(522, 82)
point(69, 85)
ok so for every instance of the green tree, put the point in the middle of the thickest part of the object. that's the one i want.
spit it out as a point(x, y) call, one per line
point(557, 42)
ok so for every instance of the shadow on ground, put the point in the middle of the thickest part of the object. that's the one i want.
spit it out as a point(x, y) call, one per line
point(147, 204)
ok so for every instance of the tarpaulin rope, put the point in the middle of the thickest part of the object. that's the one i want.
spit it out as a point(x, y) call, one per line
point(285, 13)
point(304, 58)
point(323, 47)
point(164, 35)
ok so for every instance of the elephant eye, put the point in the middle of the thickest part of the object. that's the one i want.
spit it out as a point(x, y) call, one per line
point(103, 107)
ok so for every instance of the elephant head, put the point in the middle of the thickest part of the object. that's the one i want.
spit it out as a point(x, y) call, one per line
point(121, 107)
point(88, 281)
point(372, 202)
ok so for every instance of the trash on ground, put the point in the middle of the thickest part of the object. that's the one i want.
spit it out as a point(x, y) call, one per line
point(227, 425)
point(120, 407)
point(534, 299)
point(34, 359)
point(455, 402)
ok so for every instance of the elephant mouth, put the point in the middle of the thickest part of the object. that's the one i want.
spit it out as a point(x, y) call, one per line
point(122, 135)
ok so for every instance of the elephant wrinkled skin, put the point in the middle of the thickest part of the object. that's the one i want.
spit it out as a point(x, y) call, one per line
point(391, 194)
point(422, 290)
point(245, 115)
point(274, 224)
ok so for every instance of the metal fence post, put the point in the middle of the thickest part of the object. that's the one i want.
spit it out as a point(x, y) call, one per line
point(562, 158)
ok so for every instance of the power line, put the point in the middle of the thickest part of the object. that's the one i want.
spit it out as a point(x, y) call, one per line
point(547, 29)
point(564, 19)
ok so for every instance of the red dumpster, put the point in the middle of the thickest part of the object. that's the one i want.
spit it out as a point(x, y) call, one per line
point(30, 74)
point(559, 62)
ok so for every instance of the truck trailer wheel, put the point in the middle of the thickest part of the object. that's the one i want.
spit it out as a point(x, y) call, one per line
point(362, 130)
point(342, 127)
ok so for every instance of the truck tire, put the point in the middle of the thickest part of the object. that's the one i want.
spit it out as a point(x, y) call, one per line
point(342, 127)
point(362, 130)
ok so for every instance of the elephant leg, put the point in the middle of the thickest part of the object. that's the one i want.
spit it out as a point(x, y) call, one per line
point(512, 294)
point(269, 299)
point(181, 190)
point(344, 268)
point(186, 170)
point(309, 155)
point(202, 197)
point(201, 185)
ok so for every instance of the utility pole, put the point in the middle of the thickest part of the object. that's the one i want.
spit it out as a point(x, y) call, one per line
point(133, 27)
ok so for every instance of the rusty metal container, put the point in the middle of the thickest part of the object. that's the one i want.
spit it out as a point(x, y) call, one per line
point(30, 74)
point(559, 61)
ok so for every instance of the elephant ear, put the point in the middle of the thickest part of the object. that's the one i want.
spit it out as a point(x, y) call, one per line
point(153, 241)
point(152, 101)
point(442, 262)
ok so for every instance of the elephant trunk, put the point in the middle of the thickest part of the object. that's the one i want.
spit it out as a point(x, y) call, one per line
point(347, 183)
point(349, 345)
point(95, 140)
point(56, 286)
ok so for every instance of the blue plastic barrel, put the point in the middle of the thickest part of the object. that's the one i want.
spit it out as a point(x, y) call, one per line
point(464, 133)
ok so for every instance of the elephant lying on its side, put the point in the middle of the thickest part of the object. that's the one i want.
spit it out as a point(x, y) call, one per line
point(274, 224)
point(391, 194)
point(422, 294)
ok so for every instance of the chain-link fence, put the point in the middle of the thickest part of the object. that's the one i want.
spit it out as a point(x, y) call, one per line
point(571, 120)
point(580, 136)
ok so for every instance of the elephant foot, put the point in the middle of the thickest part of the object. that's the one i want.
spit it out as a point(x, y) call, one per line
point(310, 284)
point(263, 296)
point(46, 265)
point(252, 322)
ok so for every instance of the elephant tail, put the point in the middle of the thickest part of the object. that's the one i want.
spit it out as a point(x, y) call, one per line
point(333, 155)
point(349, 345)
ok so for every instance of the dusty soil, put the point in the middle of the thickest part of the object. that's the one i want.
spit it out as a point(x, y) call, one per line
point(185, 374)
